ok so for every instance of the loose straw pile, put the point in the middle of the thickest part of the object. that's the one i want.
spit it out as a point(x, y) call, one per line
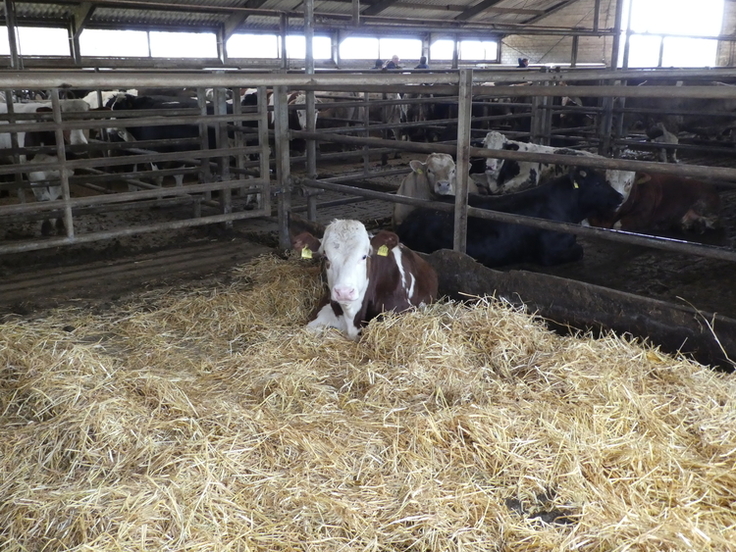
point(210, 419)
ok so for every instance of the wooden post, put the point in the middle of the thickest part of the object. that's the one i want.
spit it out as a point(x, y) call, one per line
point(465, 103)
point(283, 167)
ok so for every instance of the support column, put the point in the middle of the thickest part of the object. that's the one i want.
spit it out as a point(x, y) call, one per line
point(16, 61)
point(464, 111)
point(283, 167)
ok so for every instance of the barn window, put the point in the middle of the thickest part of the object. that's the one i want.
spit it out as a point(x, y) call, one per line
point(478, 50)
point(38, 41)
point(183, 45)
point(296, 47)
point(366, 47)
point(442, 50)
point(468, 50)
point(655, 24)
point(109, 43)
point(359, 47)
point(244, 45)
point(405, 48)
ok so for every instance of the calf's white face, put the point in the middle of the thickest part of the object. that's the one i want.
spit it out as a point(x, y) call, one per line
point(440, 171)
point(346, 247)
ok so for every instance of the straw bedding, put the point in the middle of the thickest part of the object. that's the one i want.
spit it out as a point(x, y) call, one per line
point(210, 419)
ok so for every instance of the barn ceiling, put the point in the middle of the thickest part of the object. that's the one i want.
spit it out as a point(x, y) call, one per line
point(246, 15)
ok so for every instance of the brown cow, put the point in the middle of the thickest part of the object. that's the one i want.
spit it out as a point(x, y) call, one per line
point(366, 276)
point(665, 202)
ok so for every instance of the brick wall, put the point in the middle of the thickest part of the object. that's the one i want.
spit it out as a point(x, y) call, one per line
point(558, 49)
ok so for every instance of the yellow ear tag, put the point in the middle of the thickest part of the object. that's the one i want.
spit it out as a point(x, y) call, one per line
point(419, 171)
point(306, 253)
point(383, 251)
point(575, 185)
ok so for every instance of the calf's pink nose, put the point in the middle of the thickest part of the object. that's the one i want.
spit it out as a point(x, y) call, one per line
point(343, 293)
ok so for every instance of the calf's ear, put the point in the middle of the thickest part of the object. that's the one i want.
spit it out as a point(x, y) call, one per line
point(383, 242)
point(418, 167)
point(305, 243)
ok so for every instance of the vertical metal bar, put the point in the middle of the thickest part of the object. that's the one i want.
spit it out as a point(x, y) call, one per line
point(366, 124)
point(627, 50)
point(264, 158)
point(455, 53)
point(283, 168)
point(574, 52)
point(356, 12)
point(616, 44)
point(14, 144)
point(605, 127)
point(596, 14)
point(237, 137)
point(63, 170)
point(205, 172)
point(660, 58)
point(465, 104)
point(283, 24)
point(74, 44)
point(16, 60)
point(335, 45)
point(311, 144)
point(221, 46)
point(219, 102)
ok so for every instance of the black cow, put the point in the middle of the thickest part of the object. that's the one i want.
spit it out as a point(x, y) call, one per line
point(580, 194)
point(128, 102)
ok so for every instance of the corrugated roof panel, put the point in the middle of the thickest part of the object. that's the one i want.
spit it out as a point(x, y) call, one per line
point(505, 12)
point(120, 17)
point(44, 12)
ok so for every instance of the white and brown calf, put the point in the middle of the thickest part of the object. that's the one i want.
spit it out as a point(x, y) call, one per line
point(366, 276)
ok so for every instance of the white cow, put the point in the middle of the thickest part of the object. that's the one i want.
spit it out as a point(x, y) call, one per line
point(435, 177)
point(505, 175)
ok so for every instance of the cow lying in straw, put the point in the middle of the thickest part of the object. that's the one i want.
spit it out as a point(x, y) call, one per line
point(366, 276)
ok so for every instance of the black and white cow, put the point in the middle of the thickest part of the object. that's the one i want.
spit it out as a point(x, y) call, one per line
point(130, 102)
point(505, 175)
point(45, 184)
point(569, 198)
point(366, 275)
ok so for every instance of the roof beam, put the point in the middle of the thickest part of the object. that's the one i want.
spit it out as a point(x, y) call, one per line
point(378, 7)
point(236, 19)
point(475, 10)
point(82, 15)
point(549, 11)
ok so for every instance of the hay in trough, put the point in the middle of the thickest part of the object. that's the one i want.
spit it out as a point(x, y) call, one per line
point(211, 419)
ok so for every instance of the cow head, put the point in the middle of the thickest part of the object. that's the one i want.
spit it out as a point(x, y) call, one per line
point(595, 197)
point(621, 181)
point(496, 141)
point(439, 170)
point(346, 247)
point(75, 136)
point(300, 98)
